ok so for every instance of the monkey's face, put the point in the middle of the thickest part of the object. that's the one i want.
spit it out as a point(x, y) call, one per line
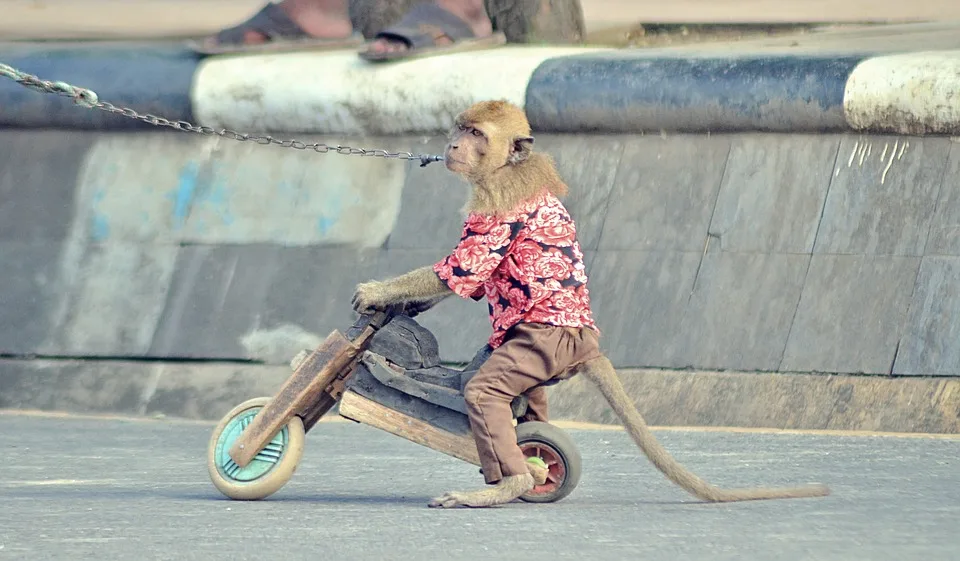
point(468, 152)
point(478, 149)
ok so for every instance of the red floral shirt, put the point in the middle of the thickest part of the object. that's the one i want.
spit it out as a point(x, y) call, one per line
point(528, 264)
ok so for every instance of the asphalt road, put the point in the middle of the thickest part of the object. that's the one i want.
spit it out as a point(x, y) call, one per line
point(113, 489)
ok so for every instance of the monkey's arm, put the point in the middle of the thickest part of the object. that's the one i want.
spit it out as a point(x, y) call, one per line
point(417, 307)
point(419, 285)
point(463, 272)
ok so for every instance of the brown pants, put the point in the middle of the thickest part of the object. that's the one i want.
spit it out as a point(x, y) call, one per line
point(536, 405)
point(531, 354)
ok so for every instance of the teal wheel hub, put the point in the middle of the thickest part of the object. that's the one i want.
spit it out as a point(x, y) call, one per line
point(261, 464)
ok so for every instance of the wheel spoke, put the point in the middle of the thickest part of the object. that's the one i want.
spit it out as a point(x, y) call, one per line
point(268, 454)
point(231, 468)
point(271, 453)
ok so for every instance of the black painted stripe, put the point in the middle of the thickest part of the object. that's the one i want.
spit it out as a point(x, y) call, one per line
point(627, 93)
point(148, 79)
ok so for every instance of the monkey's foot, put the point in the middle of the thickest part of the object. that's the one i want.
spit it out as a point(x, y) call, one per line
point(509, 488)
point(539, 473)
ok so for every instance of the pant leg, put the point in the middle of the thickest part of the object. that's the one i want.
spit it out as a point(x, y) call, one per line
point(513, 368)
point(530, 355)
point(536, 405)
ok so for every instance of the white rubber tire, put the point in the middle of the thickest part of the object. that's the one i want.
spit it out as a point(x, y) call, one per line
point(270, 482)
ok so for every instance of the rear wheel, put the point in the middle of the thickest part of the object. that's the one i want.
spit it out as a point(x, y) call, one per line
point(269, 470)
point(556, 449)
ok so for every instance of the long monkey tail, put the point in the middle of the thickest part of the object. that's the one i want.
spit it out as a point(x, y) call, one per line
point(601, 372)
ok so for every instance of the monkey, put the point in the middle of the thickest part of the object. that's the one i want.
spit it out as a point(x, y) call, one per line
point(519, 250)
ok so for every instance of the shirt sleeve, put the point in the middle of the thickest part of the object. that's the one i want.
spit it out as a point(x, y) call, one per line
point(482, 247)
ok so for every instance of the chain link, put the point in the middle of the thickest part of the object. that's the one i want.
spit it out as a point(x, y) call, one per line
point(88, 98)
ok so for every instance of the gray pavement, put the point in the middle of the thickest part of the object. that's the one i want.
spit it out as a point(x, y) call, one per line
point(124, 489)
point(878, 39)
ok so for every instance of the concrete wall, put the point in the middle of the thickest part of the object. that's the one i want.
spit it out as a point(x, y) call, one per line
point(151, 270)
point(775, 253)
point(793, 253)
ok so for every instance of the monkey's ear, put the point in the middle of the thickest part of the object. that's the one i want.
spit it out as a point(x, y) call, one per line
point(520, 151)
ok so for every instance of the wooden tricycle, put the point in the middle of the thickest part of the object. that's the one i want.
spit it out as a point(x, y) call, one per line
point(385, 372)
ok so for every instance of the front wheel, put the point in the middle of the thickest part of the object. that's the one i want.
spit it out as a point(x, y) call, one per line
point(269, 470)
point(556, 449)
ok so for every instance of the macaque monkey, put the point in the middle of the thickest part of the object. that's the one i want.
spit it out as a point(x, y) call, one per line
point(519, 250)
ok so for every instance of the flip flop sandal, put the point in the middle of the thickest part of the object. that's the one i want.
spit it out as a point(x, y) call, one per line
point(283, 34)
point(421, 29)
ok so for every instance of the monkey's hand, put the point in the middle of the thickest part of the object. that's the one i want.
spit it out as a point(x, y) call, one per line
point(370, 296)
point(417, 285)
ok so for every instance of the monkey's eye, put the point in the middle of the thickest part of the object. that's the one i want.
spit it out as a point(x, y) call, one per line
point(476, 132)
point(460, 126)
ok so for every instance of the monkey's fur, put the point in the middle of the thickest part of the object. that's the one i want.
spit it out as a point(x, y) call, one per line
point(491, 147)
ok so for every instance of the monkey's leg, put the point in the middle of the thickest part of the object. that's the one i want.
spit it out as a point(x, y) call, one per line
point(519, 364)
point(601, 372)
point(536, 405)
point(502, 461)
point(539, 474)
point(536, 411)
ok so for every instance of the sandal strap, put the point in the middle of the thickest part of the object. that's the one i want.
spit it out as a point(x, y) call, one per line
point(272, 21)
point(426, 23)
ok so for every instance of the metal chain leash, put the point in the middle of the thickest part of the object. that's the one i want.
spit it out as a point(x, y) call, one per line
point(88, 98)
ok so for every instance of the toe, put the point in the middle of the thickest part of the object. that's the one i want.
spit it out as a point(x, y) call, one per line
point(439, 501)
point(381, 46)
point(452, 500)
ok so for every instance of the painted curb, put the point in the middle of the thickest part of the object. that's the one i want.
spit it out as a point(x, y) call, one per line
point(568, 89)
point(339, 93)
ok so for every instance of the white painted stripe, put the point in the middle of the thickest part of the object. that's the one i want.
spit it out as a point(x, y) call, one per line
point(339, 93)
point(914, 93)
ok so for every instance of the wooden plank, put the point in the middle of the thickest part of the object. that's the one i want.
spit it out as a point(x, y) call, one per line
point(358, 408)
point(297, 394)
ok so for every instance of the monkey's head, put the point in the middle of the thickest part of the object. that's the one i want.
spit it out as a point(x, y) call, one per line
point(486, 137)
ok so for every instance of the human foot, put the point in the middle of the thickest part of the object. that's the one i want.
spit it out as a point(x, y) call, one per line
point(289, 24)
point(434, 27)
point(509, 488)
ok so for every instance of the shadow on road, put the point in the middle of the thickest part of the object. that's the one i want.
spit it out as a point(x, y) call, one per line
point(102, 494)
